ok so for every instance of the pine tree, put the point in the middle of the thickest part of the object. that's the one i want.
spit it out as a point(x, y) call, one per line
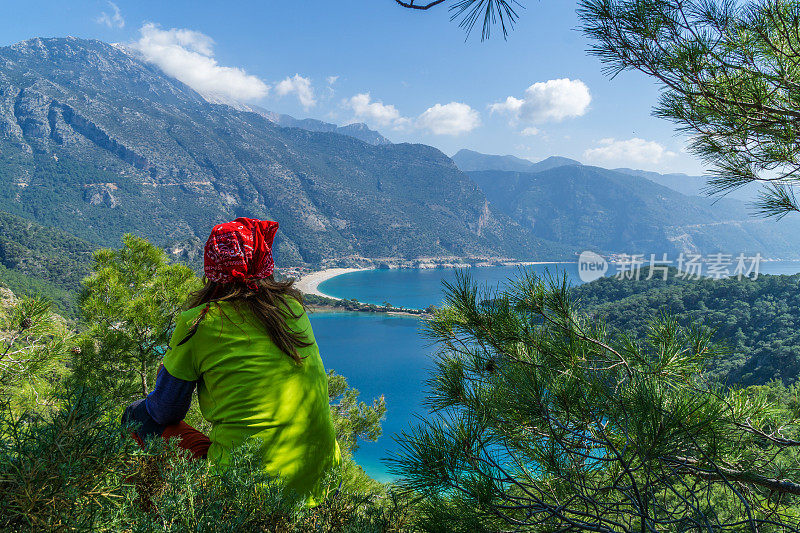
point(129, 304)
point(544, 421)
point(730, 78)
point(34, 345)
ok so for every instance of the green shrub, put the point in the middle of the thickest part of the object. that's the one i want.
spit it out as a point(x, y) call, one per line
point(77, 470)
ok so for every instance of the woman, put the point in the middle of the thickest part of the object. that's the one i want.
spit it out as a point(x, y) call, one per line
point(246, 344)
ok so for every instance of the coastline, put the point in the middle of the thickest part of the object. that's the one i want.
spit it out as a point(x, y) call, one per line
point(309, 284)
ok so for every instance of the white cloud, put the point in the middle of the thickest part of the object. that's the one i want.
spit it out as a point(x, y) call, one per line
point(300, 85)
point(189, 56)
point(530, 131)
point(547, 101)
point(511, 105)
point(331, 79)
point(637, 151)
point(454, 118)
point(374, 113)
point(114, 20)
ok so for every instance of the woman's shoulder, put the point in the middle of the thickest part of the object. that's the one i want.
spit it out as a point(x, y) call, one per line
point(191, 314)
point(230, 310)
point(295, 306)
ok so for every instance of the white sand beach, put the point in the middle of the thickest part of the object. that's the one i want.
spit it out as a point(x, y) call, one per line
point(309, 283)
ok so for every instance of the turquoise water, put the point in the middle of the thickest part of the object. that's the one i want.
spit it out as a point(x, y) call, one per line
point(382, 354)
point(379, 355)
point(419, 288)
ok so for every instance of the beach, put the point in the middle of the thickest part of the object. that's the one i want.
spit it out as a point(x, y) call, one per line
point(309, 284)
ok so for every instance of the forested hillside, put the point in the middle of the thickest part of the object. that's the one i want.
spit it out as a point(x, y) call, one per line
point(756, 321)
point(36, 259)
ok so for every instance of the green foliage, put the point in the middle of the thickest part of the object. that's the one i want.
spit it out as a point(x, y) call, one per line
point(757, 322)
point(129, 304)
point(64, 471)
point(75, 471)
point(35, 259)
point(34, 345)
point(183, 495)
point(545, 421)
point(354, 420)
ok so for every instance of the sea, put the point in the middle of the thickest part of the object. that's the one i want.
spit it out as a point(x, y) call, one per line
point(382, 355)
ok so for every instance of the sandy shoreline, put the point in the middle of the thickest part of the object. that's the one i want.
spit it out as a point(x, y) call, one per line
point(309, 284)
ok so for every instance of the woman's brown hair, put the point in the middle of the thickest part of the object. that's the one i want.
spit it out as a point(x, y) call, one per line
point(266, 299)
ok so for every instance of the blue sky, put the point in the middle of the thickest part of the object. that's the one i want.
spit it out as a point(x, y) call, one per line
point(409, 74)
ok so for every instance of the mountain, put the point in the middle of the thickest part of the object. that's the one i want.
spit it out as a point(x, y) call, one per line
point(692, 185)
point(357, 130)
point(38, 259)
point(611, 211)
point(97, 142)
point(467, 161)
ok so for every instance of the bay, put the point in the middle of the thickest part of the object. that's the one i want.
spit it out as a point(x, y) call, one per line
point(387, 355)
point(418, 288)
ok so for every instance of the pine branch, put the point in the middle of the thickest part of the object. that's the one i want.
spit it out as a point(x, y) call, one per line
point(717, 472)
point(412, 5)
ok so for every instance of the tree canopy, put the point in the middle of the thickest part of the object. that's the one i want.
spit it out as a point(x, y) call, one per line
point(130, 303)
point(730, 78)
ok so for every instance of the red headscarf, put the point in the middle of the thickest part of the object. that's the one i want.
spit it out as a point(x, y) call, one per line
point(240, 250)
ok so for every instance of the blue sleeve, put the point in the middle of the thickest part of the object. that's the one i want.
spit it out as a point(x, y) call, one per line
point(140, 422)
point(169, 402)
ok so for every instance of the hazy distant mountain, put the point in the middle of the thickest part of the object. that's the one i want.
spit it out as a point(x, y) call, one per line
point(607, 210)
point(98, 143)
point(359, 130)
point(691, 185)
point(468, 160)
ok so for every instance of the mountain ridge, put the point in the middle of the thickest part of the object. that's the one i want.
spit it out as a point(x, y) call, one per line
point(609, 211)
point(357, 130)
point(97, 142)
point(470, 160)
